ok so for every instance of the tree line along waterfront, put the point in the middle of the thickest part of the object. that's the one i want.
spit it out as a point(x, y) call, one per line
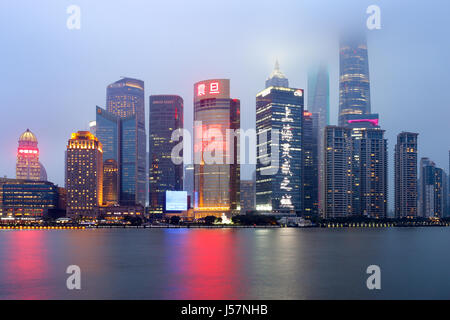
point(238, 221)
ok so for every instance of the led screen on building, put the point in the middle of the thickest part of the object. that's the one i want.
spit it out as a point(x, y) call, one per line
point(176, 200)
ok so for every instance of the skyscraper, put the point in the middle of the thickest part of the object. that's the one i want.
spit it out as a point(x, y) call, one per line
point(406, 175)
point(354, 81)
point(319, 105)
point(216, 167)
point(279, 121)
point(108, 132)
point(338, 178)
point(166, 116)
point(431, 190)
point(125, 99)
point(355, 171)
point(310, 164)
point(370, 172)
point(27, 165)
point(84, 176)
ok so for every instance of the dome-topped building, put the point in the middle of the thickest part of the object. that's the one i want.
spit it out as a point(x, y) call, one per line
point(27, 164)
point(28, 136)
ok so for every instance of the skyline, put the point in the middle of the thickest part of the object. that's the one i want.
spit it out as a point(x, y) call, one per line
point(79, 91)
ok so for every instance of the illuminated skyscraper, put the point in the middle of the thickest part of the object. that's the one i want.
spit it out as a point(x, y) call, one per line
point(125, 99)
point(338, 172)
point(109, 134)
point(166, 116)
point(354, 81)
point(27, 165)
point(355, 171)
point(370, 182)
point(84, 176)
point(431, 190)
point(406, 175)
point(216, 167)
point(279, 121)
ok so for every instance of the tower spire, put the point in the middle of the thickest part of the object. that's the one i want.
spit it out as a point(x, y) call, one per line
point(277, 65)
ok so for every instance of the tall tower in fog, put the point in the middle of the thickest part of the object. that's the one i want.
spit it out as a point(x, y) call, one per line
point(319, 106)
point(354, 81)
point(277, 78)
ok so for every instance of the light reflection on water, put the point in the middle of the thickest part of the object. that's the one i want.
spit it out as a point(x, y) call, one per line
point(225, 263)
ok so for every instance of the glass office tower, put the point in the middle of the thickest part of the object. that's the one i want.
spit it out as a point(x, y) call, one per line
point(166, 116)
point(125, 100)
point(108, 133)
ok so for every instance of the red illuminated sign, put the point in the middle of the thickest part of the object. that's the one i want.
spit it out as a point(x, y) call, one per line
point(213, 89)
point(28, 151)
point(201, 89)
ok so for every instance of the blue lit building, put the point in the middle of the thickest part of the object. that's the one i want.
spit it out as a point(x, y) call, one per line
point(121, 130)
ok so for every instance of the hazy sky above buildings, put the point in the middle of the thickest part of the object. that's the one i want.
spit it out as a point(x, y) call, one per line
point(54, 77)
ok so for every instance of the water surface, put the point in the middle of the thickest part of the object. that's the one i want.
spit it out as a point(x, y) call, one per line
point(225, 263)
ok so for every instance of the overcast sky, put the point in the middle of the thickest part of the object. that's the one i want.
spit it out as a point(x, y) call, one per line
point(54, 77)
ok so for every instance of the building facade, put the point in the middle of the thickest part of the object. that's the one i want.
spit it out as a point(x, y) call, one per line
point(248, 196)
point(356, 172)
point(27, 199)
point(165, 173)
point(338, 178)
point(84, 176)
point(370, 173)
point(406, 178)
point(310, 169)
point(354, 80)
point(126, 101)
point(431, 190)
point(279, 121)
point(216, 147)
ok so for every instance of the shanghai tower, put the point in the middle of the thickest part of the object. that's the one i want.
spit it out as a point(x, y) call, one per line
point(354, 82)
